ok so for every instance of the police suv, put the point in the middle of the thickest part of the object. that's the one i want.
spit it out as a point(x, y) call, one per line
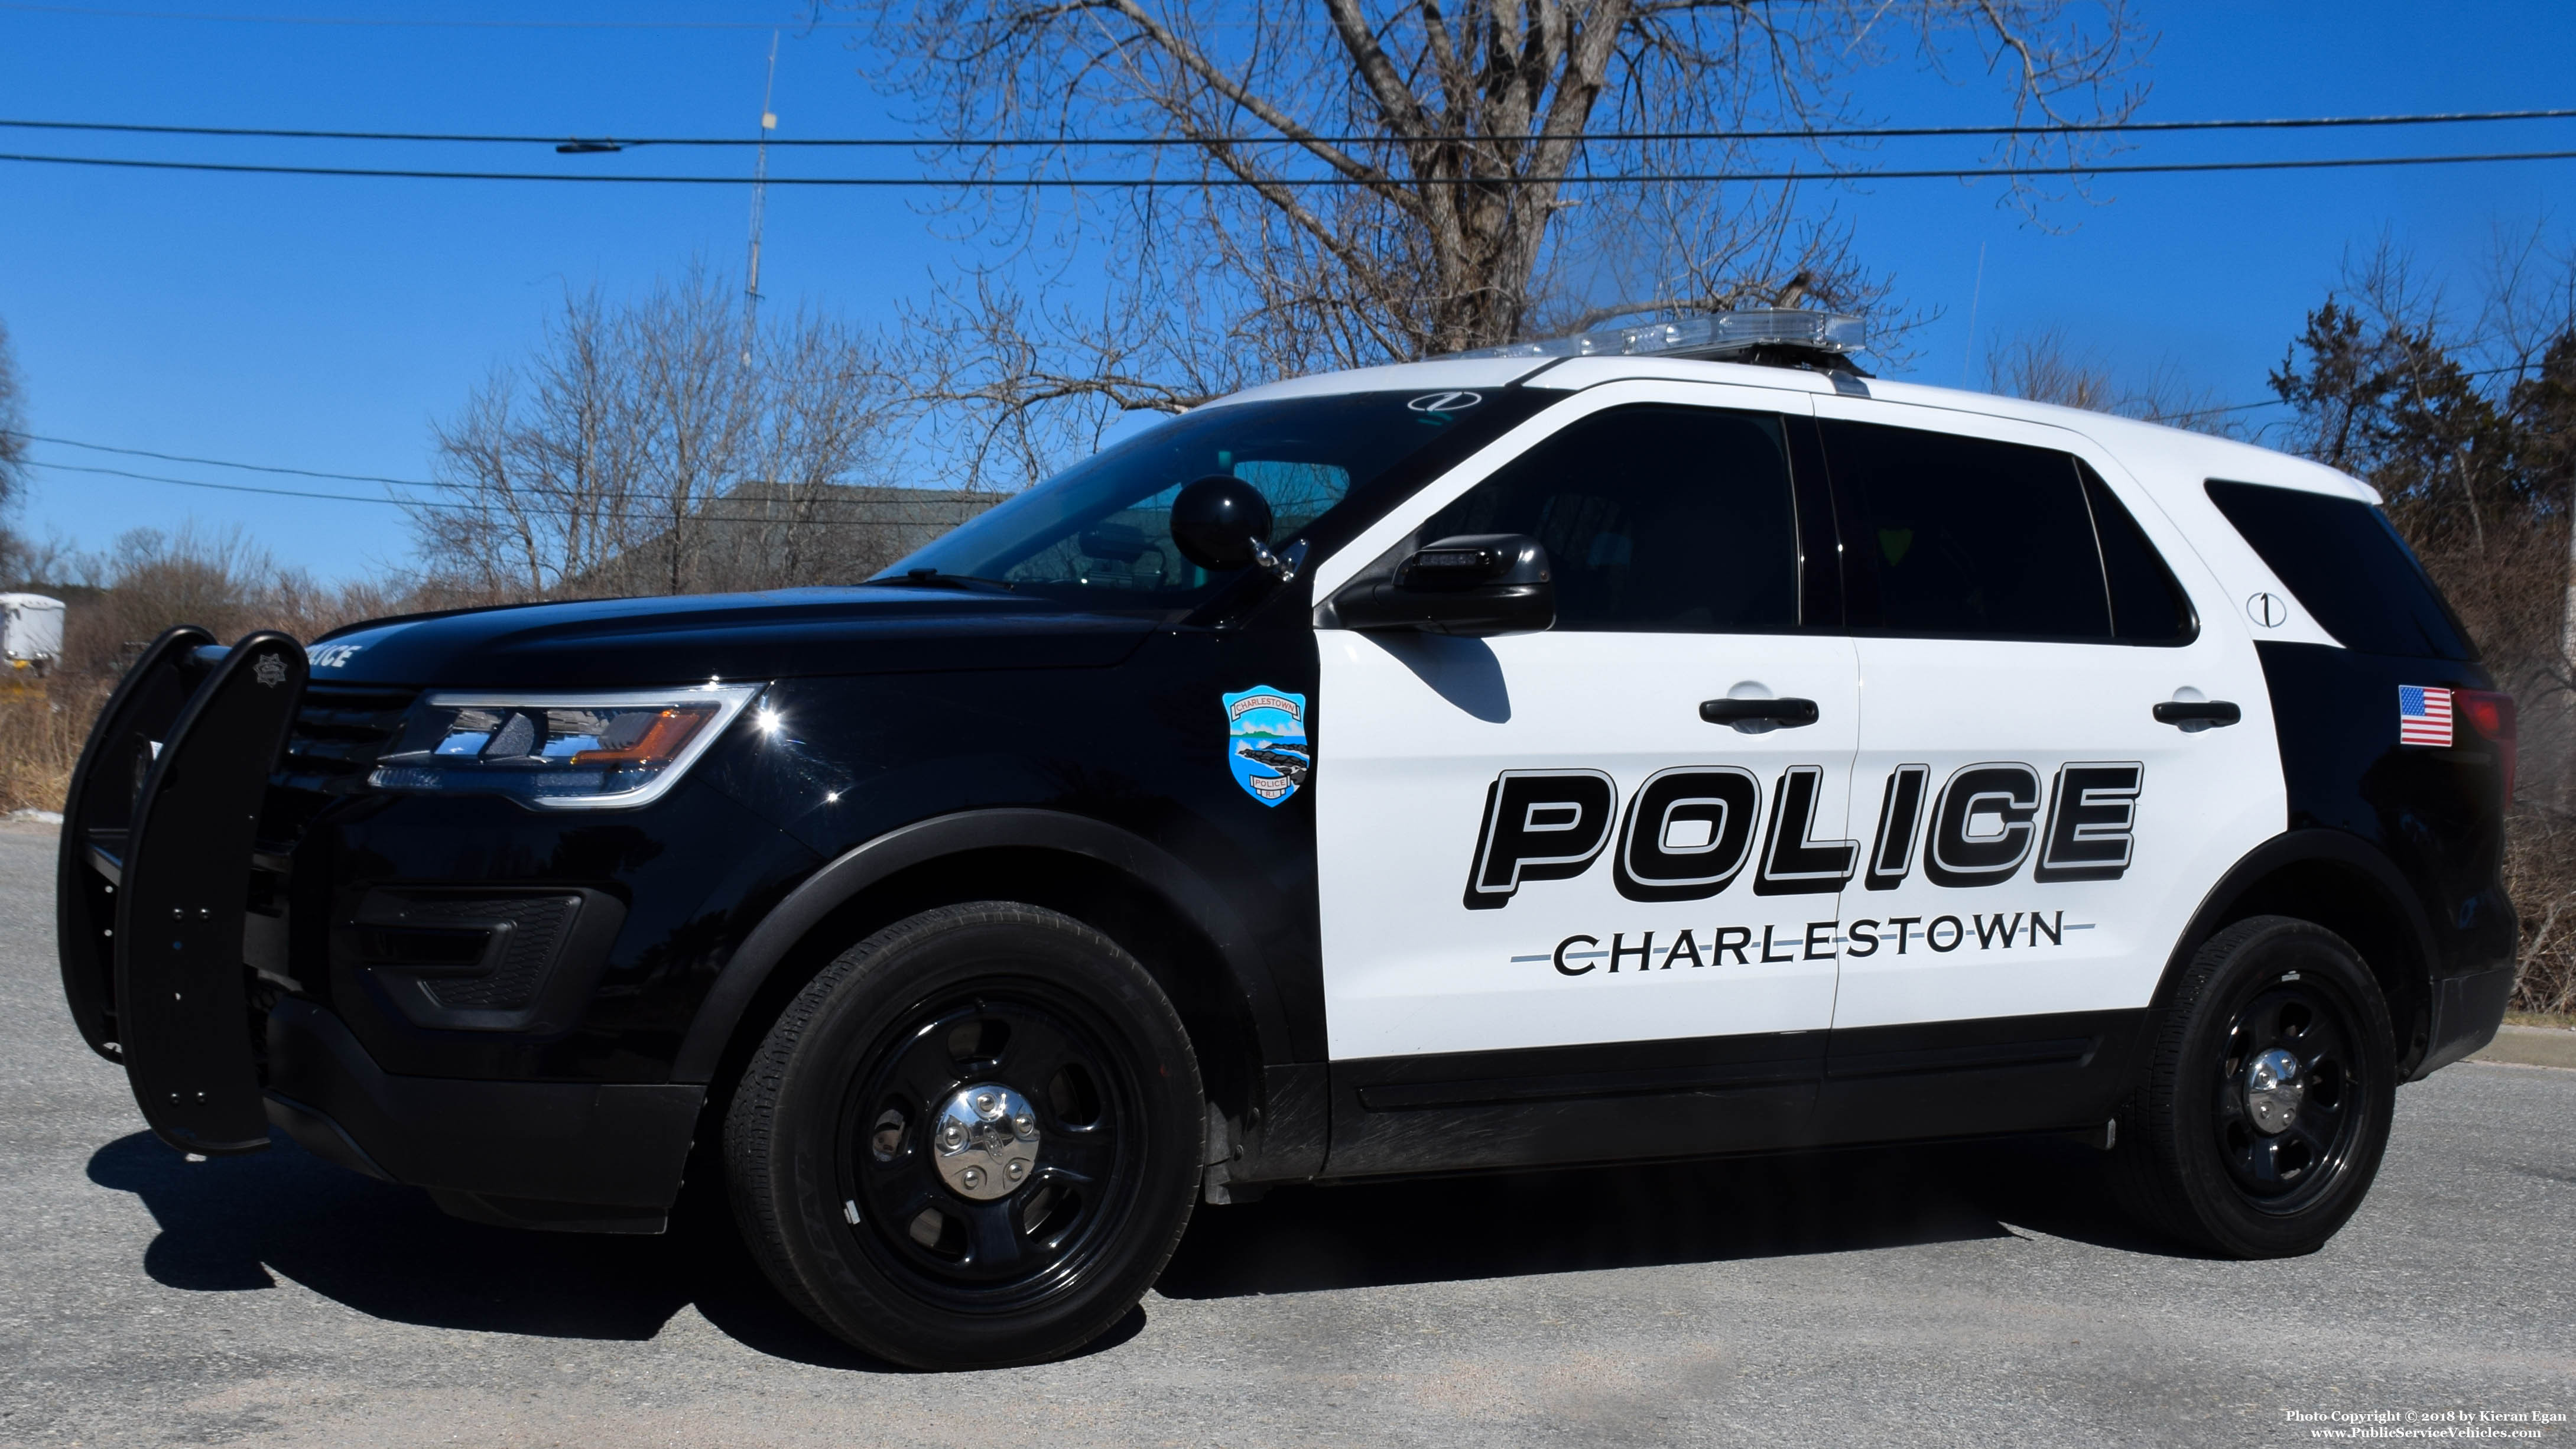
point(1653, 744)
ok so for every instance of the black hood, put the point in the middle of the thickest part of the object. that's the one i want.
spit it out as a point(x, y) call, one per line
point(693, 638)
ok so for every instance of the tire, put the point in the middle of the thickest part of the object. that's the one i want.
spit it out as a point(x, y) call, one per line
point(2204, 1151)
point(972, 1141)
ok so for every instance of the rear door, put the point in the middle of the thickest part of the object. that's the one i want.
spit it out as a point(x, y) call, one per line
point(2036, 838)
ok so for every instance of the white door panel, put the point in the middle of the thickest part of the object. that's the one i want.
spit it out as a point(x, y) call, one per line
point(2202, 800)
point(1422, 728)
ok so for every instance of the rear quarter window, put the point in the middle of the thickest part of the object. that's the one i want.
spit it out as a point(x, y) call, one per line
point(2348, 568)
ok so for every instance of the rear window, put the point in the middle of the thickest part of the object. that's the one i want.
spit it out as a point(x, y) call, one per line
point(1965, 538)
point(2347, 567)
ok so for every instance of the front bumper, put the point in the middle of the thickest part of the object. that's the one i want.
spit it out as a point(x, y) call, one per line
point(575, 1156)
point(2467, 1009)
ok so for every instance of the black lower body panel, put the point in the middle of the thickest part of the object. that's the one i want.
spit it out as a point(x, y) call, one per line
point(1628, 1101)
point(1712, 1096)
point(2466, 1012)
point(1987, 1077)
point(602, 1157)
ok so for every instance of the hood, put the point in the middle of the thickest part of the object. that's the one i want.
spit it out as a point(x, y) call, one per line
point(693, 638)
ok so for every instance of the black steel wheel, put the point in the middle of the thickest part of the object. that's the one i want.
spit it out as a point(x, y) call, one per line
point(972, 1140)
point(2267, 1096)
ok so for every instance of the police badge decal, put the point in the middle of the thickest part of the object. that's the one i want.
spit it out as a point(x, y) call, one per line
point(1266, 742)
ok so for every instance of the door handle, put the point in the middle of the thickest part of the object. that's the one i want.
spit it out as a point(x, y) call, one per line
point(1786, 713)
point(2198, 711)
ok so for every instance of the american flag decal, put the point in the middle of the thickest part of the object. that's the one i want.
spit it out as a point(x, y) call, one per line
point(2423, 715)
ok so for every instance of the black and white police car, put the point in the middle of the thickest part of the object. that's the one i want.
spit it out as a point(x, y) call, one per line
point(1659, 743)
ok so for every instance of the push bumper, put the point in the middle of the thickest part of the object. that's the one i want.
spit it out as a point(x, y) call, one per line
point(572, 1156)
point(2467, 1009)
point(154, 878)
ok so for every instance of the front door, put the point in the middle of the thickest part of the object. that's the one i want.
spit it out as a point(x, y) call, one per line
point(1545, 873)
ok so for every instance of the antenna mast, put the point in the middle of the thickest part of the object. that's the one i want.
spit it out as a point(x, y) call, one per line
point(759, 195)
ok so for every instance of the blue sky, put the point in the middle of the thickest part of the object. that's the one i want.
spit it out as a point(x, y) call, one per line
point(325, 323)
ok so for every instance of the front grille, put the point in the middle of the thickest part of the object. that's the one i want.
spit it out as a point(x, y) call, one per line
point(339, 732)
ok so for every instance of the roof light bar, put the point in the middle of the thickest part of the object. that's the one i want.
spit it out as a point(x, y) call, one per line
point(1714, 334)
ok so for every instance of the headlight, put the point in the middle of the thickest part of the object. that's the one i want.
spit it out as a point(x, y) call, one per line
point(560, 751)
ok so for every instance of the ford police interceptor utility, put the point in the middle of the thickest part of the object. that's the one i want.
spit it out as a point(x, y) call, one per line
point(1580, 752)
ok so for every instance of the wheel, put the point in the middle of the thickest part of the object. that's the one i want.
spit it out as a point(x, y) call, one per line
point(973, 1140)
point(2267, 1096)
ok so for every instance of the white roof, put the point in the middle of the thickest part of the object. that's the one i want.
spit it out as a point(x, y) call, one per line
point(2160, 456)
point(28, 601)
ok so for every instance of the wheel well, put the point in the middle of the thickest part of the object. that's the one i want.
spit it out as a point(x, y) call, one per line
point(1183, 961)
point(2351, 903)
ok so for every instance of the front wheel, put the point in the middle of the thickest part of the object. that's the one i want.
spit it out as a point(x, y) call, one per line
point(2269, 1088)
point(972, 1140)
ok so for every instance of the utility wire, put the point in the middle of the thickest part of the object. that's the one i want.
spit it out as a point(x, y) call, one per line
point(88, 13)
point(1795, 133)
point(1159, 183)
point(221, 463)
point(825, 510)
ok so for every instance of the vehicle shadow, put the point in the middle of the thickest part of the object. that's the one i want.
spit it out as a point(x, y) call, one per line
point(229, 1224)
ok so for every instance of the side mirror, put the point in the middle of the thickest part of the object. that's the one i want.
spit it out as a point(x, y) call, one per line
point(1476, 585)
point(1222, 523)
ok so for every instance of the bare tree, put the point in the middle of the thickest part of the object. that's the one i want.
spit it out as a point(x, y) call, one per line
point(642, 450)
point(1351, 183)
point(2045, 366)
point(13, 455)
point(2461, 417)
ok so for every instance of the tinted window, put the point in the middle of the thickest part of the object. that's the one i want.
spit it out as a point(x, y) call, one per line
point(1654, 518)
point(1100, 534)
point(2347, 567)
point(2147, 606)
point(1966, 538)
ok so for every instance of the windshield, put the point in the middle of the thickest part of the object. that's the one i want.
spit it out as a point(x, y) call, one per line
point(1099, 534)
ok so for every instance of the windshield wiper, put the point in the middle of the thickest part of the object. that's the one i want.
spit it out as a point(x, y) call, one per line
point(934, 579)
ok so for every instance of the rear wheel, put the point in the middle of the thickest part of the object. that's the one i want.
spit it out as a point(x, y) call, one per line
point(2267, 1098)
point(972, 1140)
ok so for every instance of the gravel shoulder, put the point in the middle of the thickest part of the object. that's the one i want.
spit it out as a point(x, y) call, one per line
point(1969, 1295)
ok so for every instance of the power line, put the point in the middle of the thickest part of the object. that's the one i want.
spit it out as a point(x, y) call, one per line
point(224, 463)
point(1799, 133)
point(230, 487)
point(826, 510)
point(1159, 183)
point(338, 20)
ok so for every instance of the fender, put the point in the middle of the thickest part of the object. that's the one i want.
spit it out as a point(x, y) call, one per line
point(2315, 846)
point(846, 876)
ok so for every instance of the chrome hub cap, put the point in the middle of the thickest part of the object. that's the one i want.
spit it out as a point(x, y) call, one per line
point(985, 1141)
point(2273, 1091)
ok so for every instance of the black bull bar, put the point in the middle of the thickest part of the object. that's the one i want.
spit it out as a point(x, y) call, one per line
point(155, 876)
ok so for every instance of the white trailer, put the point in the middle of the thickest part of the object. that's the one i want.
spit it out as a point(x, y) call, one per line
point(31, 631)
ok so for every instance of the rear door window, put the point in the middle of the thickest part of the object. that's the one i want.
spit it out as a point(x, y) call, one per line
point(1965, 538)
point(2348, 568)
point(2147, 605)
point(1655, 519)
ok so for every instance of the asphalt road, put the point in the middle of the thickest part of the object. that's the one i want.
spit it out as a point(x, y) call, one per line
point(1977, 1296)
